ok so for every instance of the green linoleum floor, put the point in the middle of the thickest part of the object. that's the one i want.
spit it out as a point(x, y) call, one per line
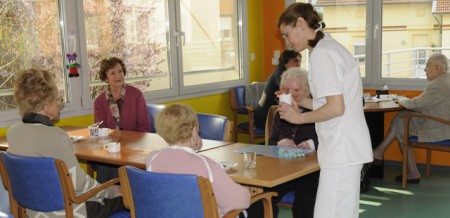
point(428, 199)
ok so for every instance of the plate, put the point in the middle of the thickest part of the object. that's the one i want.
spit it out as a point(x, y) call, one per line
point(226, 165)
point(76, 138)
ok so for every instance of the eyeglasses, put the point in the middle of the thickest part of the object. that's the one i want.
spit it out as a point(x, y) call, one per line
point(285, 35)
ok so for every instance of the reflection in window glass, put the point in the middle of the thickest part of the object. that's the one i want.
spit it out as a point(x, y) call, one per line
point(29, 38)
point(346, 22)
point(210, 46)
point(411, 33)
point(133, 30)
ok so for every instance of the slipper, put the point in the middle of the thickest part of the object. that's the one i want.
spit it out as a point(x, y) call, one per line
point(409, 181)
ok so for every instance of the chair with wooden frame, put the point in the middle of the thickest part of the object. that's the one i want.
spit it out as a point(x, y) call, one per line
point(288, 199)
point(42, 184)
point(155, 194)
point(215, 127)
point(412, 141)
point(269, 121)
point(237, 103)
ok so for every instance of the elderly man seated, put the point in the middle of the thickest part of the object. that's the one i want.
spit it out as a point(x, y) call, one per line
point(434, 101)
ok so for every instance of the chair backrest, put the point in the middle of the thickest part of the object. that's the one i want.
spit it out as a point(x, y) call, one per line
point(152, 110)
point(214, 127)
point(237, 98)
point(269, 121)
point(150, 194)
point(31, 180)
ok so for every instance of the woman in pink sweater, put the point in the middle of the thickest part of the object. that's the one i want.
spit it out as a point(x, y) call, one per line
point(178, 125)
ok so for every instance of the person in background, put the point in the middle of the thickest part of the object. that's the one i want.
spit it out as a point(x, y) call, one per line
point(36, 96)
point(288, 59)
point(337, 111)
point(283, 133)
point(434, 101)
point(178, 125)
point(119, 106)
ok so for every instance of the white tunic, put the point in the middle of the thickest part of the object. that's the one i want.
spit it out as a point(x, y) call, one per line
point(344, 140)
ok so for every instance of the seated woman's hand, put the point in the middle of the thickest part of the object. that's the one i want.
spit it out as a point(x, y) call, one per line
point(286, 142)
point(117, 190)
point(304, 145)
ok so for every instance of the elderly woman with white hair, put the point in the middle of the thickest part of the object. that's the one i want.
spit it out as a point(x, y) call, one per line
point(283, 133)
point(178, 125)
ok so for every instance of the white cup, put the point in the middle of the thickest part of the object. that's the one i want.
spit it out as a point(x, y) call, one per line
point(250, 159)
point(112, 147)
point(286, 98)
point(103, 132)
point(93, 131)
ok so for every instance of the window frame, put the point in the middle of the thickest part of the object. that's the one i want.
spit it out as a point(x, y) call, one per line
point(78, 103)
point(373, 79)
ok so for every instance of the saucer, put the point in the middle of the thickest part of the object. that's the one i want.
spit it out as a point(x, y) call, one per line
point(226, 165)
point(76, 138)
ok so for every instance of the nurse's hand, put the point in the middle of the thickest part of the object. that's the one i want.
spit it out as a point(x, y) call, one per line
point(290, 113)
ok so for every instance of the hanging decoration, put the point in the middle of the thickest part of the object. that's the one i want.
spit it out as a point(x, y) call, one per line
point(72, 65)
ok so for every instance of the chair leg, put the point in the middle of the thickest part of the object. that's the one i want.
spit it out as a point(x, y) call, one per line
point(405, 165)
point(428, 163)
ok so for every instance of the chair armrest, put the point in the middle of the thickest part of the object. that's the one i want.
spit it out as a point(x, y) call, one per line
point(437, 119)
point(67, 185)
point(84, 197)
point(266, 197)
point(248, 108)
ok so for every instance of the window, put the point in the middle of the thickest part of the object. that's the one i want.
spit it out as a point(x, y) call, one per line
point(29, 37)
point(173, 49)
point(401, 35)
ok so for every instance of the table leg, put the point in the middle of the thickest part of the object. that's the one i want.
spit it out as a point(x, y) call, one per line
point(375, 122)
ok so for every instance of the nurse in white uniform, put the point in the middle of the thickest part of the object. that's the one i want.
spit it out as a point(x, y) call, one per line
point(337, 105)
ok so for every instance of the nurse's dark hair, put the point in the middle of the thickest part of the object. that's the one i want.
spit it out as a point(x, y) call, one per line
point(307, 12)
point(286, 56)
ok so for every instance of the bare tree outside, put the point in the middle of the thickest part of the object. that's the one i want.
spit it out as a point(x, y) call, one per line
point(125, 29)
point(29, 38)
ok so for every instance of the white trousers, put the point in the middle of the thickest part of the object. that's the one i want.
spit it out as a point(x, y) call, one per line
point(338, 192)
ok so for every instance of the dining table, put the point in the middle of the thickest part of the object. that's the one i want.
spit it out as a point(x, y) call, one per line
point(268, 172)
point(374, 112)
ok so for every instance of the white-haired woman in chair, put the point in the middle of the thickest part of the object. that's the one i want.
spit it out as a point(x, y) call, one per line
point(178, 125)
point(37, 99)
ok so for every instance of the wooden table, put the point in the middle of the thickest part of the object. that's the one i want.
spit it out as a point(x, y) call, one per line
point(133, 144)
point(269, 171)
point(374, 113)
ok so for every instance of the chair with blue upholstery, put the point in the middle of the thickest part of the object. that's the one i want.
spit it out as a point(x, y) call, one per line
point(41, 184)
point(414, 142)
point(238, 106)
point(152, 110)
point(150, 194)
point(215, 127)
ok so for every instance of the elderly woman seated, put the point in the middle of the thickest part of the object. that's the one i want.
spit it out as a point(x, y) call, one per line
point(36, 96)
point(283, 133)
point(178, 125)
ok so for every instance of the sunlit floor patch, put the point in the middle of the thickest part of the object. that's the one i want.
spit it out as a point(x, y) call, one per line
point(370, 203)
point(390, 190)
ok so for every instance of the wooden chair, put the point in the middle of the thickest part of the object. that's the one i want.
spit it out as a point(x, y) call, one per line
point(42, 184)
point(237, 103)
point(150, 194)
point(269, 121)
point(215, 127)
point(288, 198)
point(414, 142)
